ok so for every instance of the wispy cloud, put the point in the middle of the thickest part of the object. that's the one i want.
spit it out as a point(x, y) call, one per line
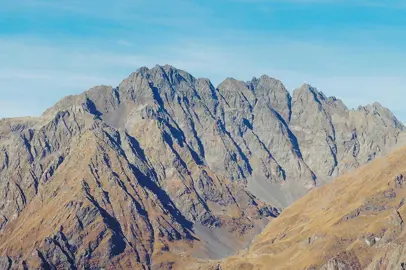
point(124, 42)
point(49, 49)
point(368, 3)
point(50, 73)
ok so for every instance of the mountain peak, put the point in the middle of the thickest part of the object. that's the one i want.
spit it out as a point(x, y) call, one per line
point(267, 82)
point(229, 83)
point(265, 77)
point(166, 164)
point(307, 91)
point(305, 87)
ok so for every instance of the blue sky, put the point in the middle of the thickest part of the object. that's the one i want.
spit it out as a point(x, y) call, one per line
point(354, 50)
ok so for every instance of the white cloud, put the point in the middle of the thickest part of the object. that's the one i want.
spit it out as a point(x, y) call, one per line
point(365, 3)
point(36, 72)
point(124, 42)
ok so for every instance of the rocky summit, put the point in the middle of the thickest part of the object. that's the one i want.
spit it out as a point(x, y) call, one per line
point(166, 171)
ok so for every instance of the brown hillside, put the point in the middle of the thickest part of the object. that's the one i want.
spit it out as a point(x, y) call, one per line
point(356, 221)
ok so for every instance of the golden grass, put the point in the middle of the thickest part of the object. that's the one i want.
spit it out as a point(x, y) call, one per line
point(285, 243)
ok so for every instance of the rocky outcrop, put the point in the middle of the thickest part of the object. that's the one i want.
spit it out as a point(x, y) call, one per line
point(133, 176)
point(394, 258)
point(253, 132)
point(343, 261)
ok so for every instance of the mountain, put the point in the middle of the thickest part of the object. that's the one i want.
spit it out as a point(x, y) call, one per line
point(166, 168)
point(356, 222)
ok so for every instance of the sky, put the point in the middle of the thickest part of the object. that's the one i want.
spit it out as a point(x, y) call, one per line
point(351, 49)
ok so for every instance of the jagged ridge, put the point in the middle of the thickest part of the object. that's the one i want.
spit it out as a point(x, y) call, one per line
point(165, 163)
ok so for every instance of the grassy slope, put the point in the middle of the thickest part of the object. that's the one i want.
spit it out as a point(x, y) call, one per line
point(315, 228)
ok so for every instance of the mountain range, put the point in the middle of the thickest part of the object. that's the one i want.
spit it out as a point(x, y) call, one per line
point(166, 171)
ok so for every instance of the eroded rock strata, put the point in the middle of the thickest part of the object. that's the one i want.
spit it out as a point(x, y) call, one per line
point(166, 167)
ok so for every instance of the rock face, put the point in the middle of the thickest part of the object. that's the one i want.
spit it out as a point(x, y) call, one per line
point(152, 171)
point(343, 261)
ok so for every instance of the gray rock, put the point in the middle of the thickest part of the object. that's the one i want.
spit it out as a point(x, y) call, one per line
point(399, 181)
point(164, 153)
point(346, 260)
point(5, 263)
